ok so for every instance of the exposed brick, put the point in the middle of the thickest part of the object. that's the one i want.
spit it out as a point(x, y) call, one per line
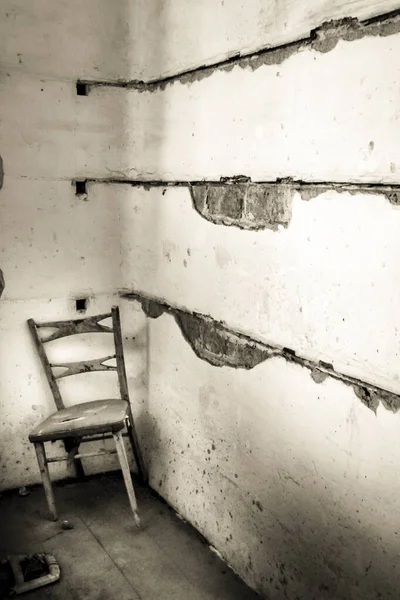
point(245, 205)
point(214, 340)
point(268, 205)
point(215, 343)
point(226, 201)
point(190, 325)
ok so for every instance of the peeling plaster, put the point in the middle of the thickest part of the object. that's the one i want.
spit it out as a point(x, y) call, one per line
point(221, 346)
point(321, 39)
point(211, 341)
point(256, 206)
point(318, 376)
point(309, 191)
point(325, 38)
point(237, 201)
point(247, 206)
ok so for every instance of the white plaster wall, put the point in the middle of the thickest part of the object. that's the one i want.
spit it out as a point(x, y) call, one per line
point(54, 246)
point(326, 287)
point(293, 482)
point(316, 117)
point(146, 39)
point(68, 39)
point(49, 132)
point(183, 34)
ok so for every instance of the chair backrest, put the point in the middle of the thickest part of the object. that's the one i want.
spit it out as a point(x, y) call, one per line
point(75, 327)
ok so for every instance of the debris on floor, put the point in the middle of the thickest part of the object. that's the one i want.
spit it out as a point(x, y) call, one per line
point(105, 556)
point(23, 491)
point(21, 573)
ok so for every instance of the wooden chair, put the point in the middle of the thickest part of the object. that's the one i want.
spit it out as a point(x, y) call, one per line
point(88, 421)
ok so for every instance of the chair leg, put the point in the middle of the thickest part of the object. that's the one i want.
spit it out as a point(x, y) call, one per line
point(78, 466)
point(71, 446)
point(44, 471)
point(130, 426)
point(123, 459)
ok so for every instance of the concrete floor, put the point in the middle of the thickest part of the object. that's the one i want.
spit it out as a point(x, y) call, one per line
point(105, 557)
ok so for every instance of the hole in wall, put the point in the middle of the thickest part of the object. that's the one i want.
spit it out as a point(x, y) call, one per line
point(82, 89)
point(81, 304)
point(80, 188)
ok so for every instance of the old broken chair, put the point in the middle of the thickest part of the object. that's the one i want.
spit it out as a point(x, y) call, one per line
point(89, 421)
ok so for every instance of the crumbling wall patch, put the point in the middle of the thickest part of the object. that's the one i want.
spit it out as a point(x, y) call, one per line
point(321, 39)
point(218, 345)
point(237, 201)
point(222, 346)
point(245, 205)
point(262, 205)
point(210, 340)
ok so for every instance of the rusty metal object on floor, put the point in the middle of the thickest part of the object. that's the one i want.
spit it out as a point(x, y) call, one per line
point(29, 572)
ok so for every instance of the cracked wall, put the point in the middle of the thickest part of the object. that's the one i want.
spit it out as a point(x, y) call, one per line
point(273, 343)
point(277, 471)
point(221, 346)
point(210, 340)
point(277, 461)
point(248, 206)
point(304, 286)
point(322, 39)
point(135, 41)
point(267, 205)
point(273, 362)
point(277, 122)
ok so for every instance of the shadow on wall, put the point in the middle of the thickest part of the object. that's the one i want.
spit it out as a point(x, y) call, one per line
point(299, 513)
point(307, 536)
point(296, 542)
point(323, 553)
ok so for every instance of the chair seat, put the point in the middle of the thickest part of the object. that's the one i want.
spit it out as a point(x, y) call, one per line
point(98, 416)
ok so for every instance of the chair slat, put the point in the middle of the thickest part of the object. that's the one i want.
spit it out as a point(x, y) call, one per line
point(105, 452)
point(75, 327)
point(84, 366)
